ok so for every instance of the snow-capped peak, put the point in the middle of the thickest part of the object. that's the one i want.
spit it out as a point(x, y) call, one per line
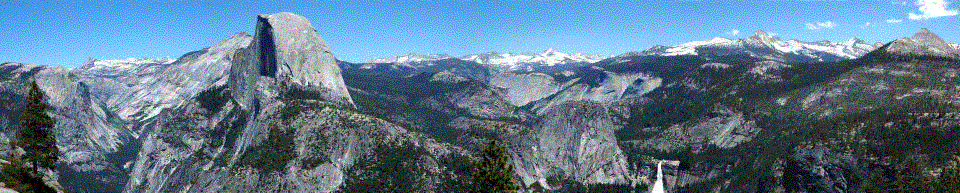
point(690, 48)
point(549, 51)
point(410, 58)
point(853, 41)
point(512, 61)
point(760, 34)
point(508, 61)
point(764, 38)
point(762, 44)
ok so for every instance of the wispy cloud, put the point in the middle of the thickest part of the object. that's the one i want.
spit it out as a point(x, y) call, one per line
point(820, 25)
point(865, 25)
point(904, 3)
point(733, 32)
point(930, 9)
point(894, 20)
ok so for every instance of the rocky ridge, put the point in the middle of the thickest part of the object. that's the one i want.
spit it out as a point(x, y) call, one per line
point(764, 45)
point(90, 136)
point(287, 129)
point(922, 43)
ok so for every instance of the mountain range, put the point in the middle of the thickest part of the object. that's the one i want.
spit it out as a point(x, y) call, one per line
point(499, 61)
point(760, 44)
point(276, 111)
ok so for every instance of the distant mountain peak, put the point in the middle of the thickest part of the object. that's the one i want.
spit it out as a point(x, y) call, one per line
point(507, 61)
point(928, 37)
point(763, 38)
point(854, 40)
point(511, 61)
point(923, 42)
point(410, 58)
point(762, 44)
point(759, 34)
point(550, 51)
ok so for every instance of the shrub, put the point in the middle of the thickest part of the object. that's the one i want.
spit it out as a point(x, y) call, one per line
point(213, 99)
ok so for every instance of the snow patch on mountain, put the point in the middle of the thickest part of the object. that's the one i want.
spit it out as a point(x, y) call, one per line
point(690, 48)
point(761, 43)
point(410, 58)
point(497, 60)
point(512, 61)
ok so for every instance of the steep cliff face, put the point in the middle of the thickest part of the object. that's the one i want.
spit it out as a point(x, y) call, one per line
point(280, 123)
point(286, 53)
point(93, 141)
point(573, 141)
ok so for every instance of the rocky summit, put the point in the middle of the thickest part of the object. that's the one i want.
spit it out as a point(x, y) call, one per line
point(275, 111)
point(924, 42)
point(286, 53)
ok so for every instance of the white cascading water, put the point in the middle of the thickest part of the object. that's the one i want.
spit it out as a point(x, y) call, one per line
point(658, 185)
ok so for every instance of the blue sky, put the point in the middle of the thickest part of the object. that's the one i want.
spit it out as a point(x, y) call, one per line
point(68, 33)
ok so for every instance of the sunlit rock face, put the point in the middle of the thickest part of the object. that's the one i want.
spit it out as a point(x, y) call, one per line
point(280, 122)
point(924, 42)
point(286, 53)
point(574, 141)
point(140, 89)
point(90, 136)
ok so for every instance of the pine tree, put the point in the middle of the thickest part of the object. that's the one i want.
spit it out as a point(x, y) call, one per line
point(35, 134)
point(494, 172)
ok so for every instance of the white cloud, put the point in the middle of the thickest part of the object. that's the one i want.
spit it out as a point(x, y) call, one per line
point(904, 3)
point(820, 25)
point(930, 9)
point(894, 20)
point(733, 32)
point(865, 25)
